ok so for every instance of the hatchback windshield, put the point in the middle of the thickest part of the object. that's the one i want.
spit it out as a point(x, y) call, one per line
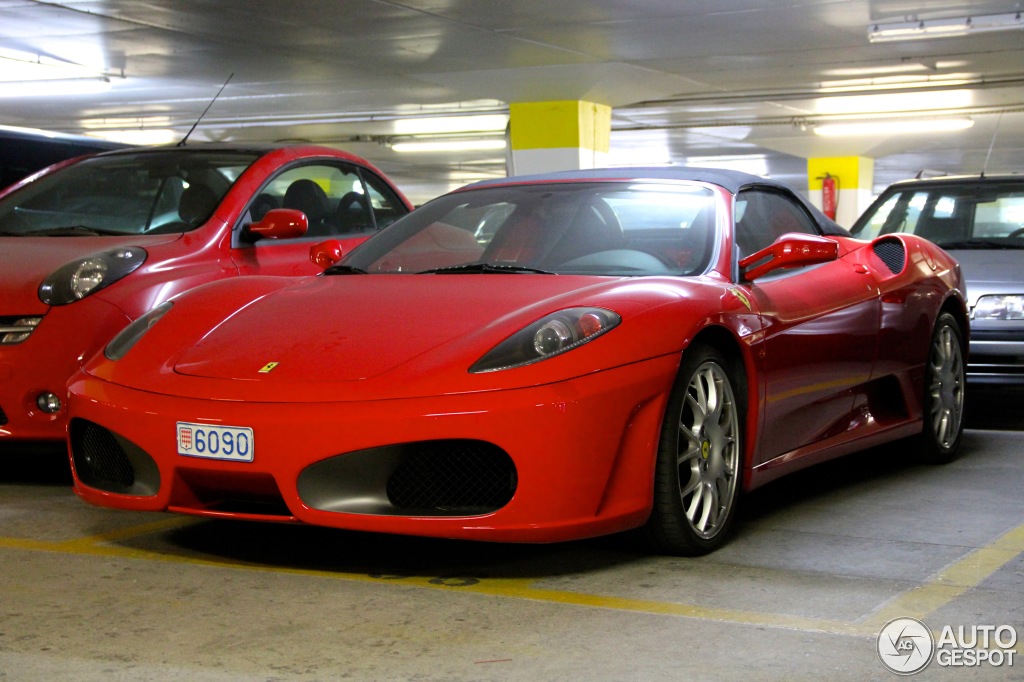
point(618, 229)
point(142, 193)
point(965, 215)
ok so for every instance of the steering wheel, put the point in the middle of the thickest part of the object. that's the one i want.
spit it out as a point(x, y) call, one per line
point(1019, 232)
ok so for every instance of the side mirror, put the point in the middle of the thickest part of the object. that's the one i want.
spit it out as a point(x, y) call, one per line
point(326, 253)
point(791, 250)
point(280, 223)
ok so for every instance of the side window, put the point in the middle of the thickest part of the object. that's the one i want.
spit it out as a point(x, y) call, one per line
point(762, 216)
point(999, 216)
point(332, 195)
point(386, 206)
point(898, 213)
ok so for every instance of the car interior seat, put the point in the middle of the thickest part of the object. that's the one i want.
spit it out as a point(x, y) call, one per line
point(196, 204)
point(594, 228)
point(353, 213)
point(262, 205)
point(943, 229)
point(307, 196)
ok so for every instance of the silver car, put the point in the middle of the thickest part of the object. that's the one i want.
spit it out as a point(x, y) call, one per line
point(979, 220)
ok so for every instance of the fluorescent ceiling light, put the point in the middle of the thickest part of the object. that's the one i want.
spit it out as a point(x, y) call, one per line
point(755, 164)
point(54, 87)
point(895, 102)
point(438, 125)
point(944, 28)
point(907, 126)
point(147, 136)
point(18, 65)
point(900, 82)
point(32, 131)
point(891, 69)
point(449, 145)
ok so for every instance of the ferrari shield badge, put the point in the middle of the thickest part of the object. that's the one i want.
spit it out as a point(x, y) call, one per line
point(269, 367)
point(738, 293)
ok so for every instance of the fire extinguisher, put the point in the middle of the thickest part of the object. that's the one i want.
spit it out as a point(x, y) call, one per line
point(829, 198)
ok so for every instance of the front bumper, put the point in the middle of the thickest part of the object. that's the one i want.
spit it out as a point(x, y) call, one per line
point(572, 459)
point(66, 337)
point(996, 354)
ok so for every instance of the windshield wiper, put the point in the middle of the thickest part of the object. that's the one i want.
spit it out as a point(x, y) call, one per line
point(344, 270)
point(72, 231)
point(983, 244)
point(474, 268)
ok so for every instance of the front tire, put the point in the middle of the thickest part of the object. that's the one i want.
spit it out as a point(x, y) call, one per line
point(945, 381)
point(699, 465)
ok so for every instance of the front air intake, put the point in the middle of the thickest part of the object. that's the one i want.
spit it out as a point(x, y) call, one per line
point(109, 462)
point(453, 477)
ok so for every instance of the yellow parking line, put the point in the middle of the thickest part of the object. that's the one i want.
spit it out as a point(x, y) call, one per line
point(949, 584)
point(952, 581)
point(166, 524)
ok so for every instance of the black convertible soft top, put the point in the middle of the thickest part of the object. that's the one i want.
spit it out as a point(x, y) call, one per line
point(730, 180)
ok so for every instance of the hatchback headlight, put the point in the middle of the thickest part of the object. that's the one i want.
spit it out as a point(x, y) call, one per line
point(552, 335)
point(1007, 307)
point(85, 276)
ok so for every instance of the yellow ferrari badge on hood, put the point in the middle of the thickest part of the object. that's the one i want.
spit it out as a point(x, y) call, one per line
point(267, 368)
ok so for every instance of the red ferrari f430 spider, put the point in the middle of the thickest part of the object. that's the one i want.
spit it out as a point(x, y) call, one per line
point(535, 359)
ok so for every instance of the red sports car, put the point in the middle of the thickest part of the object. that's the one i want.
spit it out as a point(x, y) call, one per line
point(535, 359)
point(90, 245)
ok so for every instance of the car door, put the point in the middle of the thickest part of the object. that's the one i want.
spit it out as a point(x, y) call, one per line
point(340, 200)
point(820, 330)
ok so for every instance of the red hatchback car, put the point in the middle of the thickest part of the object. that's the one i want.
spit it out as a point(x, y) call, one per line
point(90, 245)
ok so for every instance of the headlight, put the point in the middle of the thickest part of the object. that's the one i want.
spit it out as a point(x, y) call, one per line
point(549, 336)
point(1009, 307)
point(79, 278)
point(130, 335)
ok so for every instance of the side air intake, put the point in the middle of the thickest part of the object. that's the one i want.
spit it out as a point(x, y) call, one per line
point(892, 253)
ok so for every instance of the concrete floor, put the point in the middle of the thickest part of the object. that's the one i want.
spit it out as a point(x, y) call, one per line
point(821, 562)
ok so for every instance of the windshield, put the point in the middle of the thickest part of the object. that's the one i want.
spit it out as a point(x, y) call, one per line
point(617, 229)
point(142, 193)
point(969, 215)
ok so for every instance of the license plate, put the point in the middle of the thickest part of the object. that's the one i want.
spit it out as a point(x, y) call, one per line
point(234, 443)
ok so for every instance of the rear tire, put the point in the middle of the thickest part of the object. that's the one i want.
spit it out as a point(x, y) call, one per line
point(699, 463)
point(943, 405)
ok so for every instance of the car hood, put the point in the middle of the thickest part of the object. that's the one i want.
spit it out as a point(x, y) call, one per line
point(990, 271)
point(26, 261)
point(351, 328)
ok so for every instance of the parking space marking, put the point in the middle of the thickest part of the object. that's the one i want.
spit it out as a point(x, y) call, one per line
point(952, 581)
point(949, 583)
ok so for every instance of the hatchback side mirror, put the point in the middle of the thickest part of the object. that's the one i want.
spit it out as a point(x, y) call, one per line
point(326, 253)
point(280, 223)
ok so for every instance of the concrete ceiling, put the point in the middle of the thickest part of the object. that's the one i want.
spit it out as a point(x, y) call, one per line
point(740, 81)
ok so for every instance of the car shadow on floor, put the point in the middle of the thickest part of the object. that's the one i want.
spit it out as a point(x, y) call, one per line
point(35, 466)
point(995, 407)
point(297, 547)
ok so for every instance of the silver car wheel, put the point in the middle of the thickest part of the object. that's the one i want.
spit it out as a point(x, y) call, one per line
point(708, 452)
point(946, 386)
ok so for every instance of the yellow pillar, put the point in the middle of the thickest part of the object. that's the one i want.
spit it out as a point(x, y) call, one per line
point(854, 178)
point(560, 135)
